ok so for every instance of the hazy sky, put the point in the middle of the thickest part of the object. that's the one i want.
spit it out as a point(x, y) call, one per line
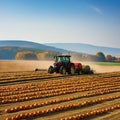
point(94, 22)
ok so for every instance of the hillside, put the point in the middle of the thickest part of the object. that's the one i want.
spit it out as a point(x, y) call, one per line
point(24, 50)
point(62, 47)
point(10, 52)
point(86, 48)
point(26, 44)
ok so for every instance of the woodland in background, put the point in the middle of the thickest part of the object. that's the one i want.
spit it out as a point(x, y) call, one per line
point(22, 53)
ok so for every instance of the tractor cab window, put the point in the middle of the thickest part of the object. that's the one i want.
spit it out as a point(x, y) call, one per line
point(63, 59)
point(59, 59)
point(67, 59)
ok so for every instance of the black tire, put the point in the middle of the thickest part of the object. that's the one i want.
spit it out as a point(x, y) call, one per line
point(36, 69)
point(72, 69)
point(50, 70)
point(91, 72)
point(62, 70)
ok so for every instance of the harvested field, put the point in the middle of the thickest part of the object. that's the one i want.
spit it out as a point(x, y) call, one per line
point(38, 95)
point(30, 65)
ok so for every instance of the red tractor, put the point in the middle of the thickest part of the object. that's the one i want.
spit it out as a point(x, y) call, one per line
point(63, 64)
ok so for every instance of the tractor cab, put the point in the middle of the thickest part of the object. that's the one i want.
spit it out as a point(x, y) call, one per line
point(62, 58)
point(62, 65)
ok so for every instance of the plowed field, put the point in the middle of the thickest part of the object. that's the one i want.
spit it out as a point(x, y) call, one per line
point(41, 96)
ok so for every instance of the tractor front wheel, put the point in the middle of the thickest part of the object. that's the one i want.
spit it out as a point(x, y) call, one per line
point(50, 70)
point(62, 70)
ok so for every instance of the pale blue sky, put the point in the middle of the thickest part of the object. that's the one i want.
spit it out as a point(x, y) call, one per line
point(94, 22)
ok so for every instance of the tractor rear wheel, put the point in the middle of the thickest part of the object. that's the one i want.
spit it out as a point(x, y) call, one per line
point(62, 70)
point(50, 70)
point(72, 69)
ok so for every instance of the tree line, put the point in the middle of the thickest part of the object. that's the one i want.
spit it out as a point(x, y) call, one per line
point(48, 55)
point(99, 57)
point(29, 55)
point(23, 53)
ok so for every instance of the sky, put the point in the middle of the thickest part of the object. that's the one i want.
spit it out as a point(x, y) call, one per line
point(95, 22)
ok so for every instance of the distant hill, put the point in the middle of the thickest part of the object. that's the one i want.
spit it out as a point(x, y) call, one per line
point(86, 48)
point(10, 48)
point(26, 44)
point(10, 52)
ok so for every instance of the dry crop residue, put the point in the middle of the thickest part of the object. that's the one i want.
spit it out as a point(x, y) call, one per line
point(42, 96)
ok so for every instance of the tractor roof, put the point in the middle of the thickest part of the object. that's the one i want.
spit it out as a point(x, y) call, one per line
point(63, 56)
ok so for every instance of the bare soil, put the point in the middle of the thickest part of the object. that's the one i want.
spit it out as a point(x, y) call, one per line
point(24, 65)
point(24, 88)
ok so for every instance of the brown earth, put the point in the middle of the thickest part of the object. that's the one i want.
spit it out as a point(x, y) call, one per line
point(40, 91)
point(22, 65)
